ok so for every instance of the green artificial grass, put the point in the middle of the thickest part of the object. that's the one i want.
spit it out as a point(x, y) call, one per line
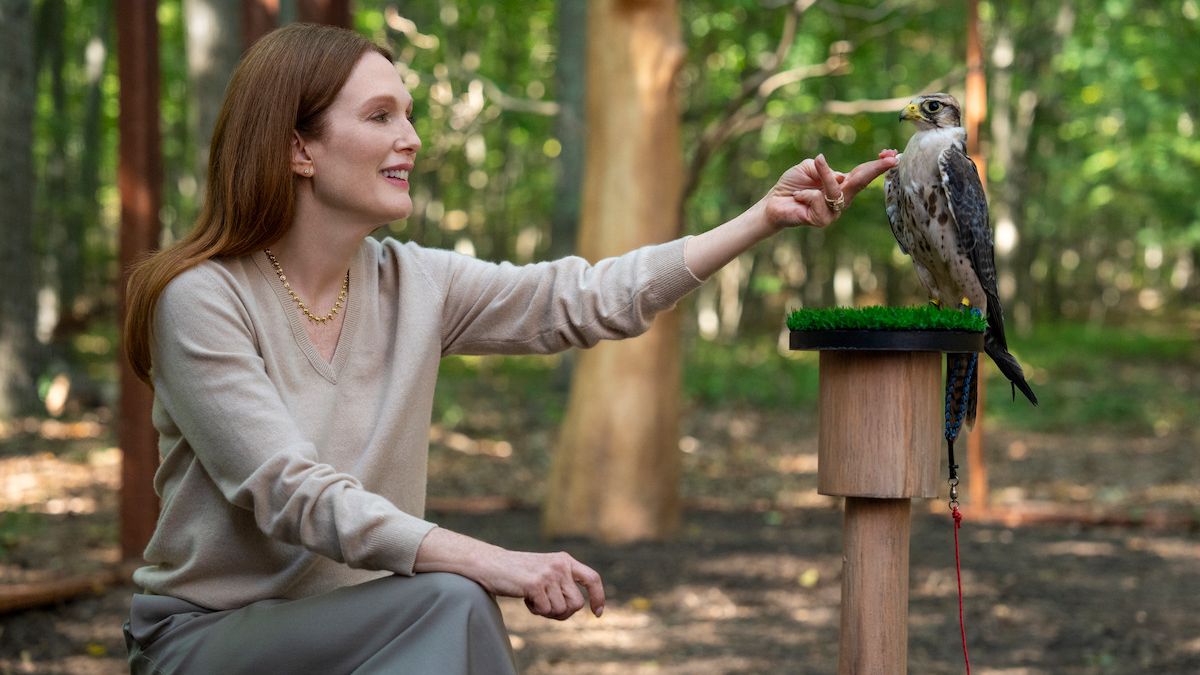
point(921, 317)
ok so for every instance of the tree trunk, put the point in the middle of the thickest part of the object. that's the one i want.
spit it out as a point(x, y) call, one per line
point(214, 45)
point(52, 209)
point(977, 477)
point(259, 17)
point(139, 181)
point(87, 213)
point(332, 12)
point(570, 73)
point(615, 472)
point(19, 348)
point(569, 79)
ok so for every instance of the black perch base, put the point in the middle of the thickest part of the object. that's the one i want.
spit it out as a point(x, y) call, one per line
point(888, 340)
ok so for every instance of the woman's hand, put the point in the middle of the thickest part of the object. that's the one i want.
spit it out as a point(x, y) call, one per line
point(548, 582)
point(811, 193)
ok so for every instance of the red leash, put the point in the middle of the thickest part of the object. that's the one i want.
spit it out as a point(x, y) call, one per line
point(962, 626)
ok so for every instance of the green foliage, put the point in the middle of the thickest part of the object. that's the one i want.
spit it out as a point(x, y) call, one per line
point(1113, 150)
point(920, 317)
point(895, 54)
point(74, 148)
point(1135, 380)
point(1097, 172)
point(1091, 140)
point(521, 381)
point(1123, 381)
point(751, 373)
point(18, 526)
point(481, 76)
point(1109, 195)
point(180, 198)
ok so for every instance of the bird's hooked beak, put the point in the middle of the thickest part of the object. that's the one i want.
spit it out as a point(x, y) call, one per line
point(911, 112)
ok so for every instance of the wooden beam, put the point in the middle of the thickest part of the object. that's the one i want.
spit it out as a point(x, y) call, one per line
point(20, 596)
point(139, 181)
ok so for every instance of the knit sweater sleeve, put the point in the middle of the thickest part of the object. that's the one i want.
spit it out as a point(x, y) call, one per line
point(542, 308)
point(210, 378)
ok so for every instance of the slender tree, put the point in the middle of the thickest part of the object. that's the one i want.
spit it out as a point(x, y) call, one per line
point(139, 180)
point(975, 113)
point(19, 348)
point(52, 209)
point(259, 17)
point(569, 79)
point(616, 468)
point(85, 211)
point(214, 45)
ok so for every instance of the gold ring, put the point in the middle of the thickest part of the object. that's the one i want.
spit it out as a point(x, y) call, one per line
point(836, 205)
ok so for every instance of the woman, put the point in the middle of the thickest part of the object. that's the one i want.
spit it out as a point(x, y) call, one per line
point(293, 360)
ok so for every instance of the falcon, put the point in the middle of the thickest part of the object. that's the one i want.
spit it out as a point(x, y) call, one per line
point(939, 215)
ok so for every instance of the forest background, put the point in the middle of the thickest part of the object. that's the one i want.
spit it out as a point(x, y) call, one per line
point(1090, 140)
point(1092, 162)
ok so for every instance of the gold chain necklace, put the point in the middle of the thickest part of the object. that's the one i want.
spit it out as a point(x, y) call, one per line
point(303, 308)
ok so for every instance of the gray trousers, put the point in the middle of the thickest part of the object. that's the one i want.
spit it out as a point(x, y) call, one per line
point(440, 624)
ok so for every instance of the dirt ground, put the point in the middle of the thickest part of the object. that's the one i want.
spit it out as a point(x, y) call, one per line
point(752, 582)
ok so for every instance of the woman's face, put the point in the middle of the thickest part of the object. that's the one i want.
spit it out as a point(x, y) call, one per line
point(362, 161)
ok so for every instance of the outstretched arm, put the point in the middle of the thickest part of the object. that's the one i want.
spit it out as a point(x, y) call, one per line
point(798, 198)
point(551, 583)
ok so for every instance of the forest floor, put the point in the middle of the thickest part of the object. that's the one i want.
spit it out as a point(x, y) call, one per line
point(752, 582)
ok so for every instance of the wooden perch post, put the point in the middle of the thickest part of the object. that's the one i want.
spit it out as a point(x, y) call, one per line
point(879, 446)
point(880, 441)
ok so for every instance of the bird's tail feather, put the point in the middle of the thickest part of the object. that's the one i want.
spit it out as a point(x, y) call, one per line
point(996, 346)
point(1009, 367)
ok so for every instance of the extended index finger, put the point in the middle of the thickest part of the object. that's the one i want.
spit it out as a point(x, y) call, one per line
point(591, 581)
point(862, 175)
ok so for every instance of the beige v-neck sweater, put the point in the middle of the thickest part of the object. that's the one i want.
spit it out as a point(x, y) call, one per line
point(284, 475)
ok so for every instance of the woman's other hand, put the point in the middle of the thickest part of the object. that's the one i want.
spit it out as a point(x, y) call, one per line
point(552, 584)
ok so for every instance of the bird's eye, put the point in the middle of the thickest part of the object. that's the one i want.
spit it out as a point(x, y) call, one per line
point(933, 106)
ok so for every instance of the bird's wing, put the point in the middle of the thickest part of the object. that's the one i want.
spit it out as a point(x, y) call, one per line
point(968, 208)
point(892, 205)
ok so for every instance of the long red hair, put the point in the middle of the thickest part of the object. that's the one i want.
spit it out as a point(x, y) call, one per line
point(285, 82)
